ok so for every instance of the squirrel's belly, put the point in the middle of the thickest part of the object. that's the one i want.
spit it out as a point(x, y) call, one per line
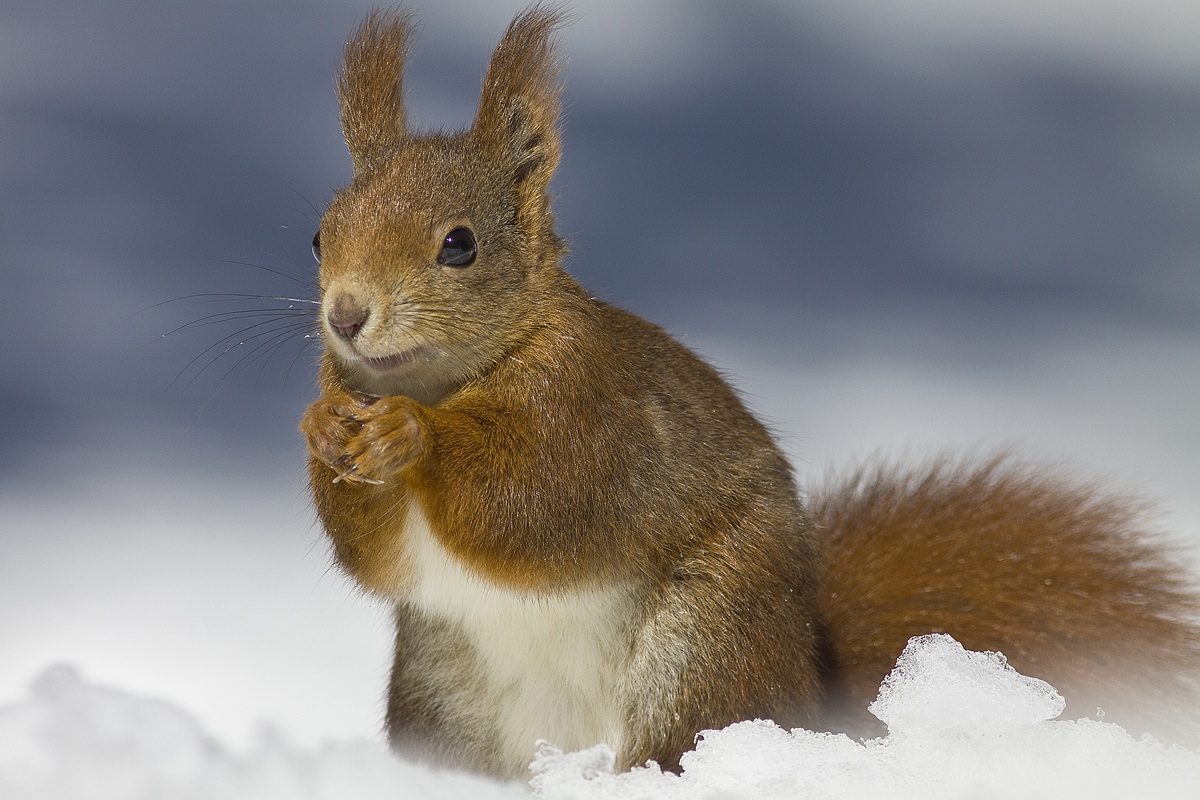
point(550, 661)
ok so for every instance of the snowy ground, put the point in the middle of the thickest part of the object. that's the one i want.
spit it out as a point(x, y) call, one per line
point(961, 725)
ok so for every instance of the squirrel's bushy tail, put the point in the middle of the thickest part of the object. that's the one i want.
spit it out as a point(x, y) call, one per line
point(1062, 578)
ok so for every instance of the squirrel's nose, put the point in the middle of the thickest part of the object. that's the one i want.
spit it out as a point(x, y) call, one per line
point(347, 315)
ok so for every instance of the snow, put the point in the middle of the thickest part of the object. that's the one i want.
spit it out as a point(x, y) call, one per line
point(961, 725)
point(72, 740)
point(984, 691)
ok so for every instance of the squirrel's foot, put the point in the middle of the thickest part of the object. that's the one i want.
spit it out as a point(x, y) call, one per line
point(389, 439)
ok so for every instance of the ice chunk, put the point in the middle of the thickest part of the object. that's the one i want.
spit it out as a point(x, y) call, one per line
point(938, 686)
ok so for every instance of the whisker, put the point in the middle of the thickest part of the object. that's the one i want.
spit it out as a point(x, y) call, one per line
point(309, 339)
point(278, 338)
point(273, 341)
point(249, 313)
point(273, 271)
point(239, 338)
point(210, 358)
point(262, 350)
point(316, 222)
point(230, 297)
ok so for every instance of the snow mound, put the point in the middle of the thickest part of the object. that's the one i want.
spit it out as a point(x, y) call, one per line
point(961, 725)
point(75, 741)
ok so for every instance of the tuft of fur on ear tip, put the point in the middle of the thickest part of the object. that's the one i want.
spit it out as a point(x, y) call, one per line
point(520, 104)
point(370, 87)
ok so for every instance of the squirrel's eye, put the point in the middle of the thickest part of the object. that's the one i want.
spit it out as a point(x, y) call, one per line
point(458, 248)
point(317, 246)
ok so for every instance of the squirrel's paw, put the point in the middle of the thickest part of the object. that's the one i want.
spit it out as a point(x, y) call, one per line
point(330, 424)
point(389, 440)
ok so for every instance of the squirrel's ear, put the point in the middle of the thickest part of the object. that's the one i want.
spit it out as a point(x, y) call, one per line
point(519, 108)
point(370, 86)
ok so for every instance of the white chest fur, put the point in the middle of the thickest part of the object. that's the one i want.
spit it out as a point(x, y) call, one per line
point(550, 661)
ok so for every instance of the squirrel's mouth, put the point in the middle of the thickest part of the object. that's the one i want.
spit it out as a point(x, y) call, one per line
point(391, 362)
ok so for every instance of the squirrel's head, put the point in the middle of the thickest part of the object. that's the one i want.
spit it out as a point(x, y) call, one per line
point(433, 259)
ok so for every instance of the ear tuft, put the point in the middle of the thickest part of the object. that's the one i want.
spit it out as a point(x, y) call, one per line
point(370, 86)
point(520, 104)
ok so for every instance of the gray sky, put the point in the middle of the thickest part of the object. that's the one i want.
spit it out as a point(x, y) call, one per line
point(899, 227)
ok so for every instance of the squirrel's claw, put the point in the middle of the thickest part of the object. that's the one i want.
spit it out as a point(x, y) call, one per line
point(347, 470)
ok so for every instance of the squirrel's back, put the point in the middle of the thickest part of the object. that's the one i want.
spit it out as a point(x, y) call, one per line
point(1064, 579)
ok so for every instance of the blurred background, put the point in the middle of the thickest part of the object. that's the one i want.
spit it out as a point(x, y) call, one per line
point(898, 227)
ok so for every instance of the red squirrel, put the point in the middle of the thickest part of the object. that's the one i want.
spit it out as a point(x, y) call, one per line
point(585, 534)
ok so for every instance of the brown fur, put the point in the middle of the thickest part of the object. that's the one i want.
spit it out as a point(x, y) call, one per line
point(1062, 578)
point(557, 446)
